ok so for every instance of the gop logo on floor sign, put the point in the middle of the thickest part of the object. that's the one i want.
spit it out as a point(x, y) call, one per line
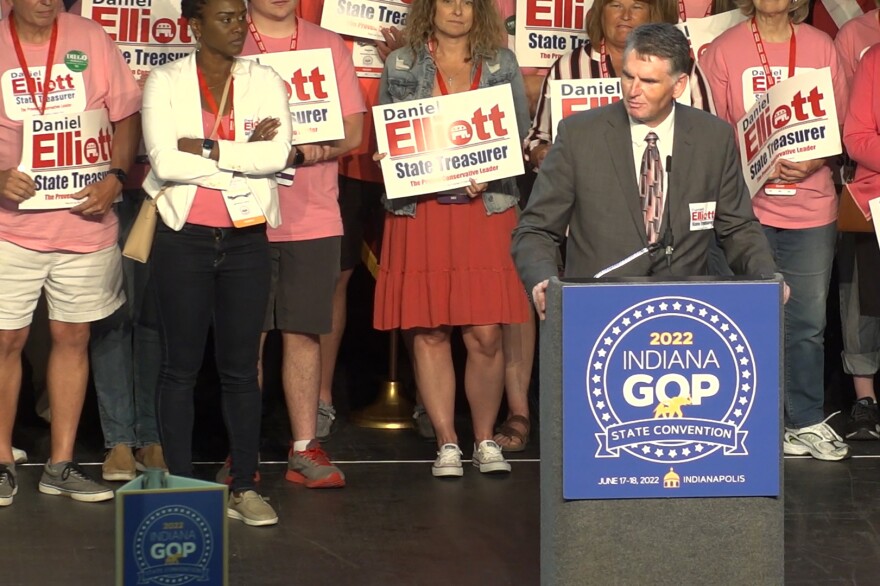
point(671, 380)
point(173, 547)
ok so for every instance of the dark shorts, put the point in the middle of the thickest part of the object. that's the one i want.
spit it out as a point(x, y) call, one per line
point(357, 199)
point(304, 276)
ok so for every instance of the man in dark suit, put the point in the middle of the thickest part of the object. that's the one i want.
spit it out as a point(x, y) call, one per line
point(604, 180)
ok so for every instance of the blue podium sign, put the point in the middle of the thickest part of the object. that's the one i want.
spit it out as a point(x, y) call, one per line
point(671, 390)
point(172, 535)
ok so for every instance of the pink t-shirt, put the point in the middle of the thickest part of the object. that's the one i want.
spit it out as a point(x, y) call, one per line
point(105, 83)
point(855, 37)
point(861, 133)
point(208, 208)
point(732, 68)
point(696, 8)
point(309, 207)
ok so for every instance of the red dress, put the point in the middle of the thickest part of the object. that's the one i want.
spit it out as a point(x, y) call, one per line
point(450, 265)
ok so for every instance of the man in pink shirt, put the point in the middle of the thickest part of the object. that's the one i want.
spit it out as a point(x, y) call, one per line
point(71, 254)
point(306, 246)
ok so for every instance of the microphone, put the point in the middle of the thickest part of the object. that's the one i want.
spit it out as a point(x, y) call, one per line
point(668, 239)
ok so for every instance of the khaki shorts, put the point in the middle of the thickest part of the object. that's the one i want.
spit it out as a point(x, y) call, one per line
point(80, 287)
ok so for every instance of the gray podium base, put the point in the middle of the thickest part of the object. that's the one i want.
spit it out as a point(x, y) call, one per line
point(681, 542)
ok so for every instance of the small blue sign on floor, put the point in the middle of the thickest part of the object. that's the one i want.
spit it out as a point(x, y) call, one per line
point(173, 535)
point(671, 390)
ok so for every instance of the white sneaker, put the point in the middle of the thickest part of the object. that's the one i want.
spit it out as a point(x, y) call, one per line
point(489, 459)
point(20, 456)
point(819, 440)
point(448, 462)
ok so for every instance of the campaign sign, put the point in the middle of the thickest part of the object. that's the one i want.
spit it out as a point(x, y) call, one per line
point(148, 33)
point(702, 31)
point(64, 153)
point(66, 88)
point(795, 120)
point(171, 535)
point(440, 143)
point(310, 78)
point(569, 96)
point(364, 18)
point(547, 29)
point(671, 390)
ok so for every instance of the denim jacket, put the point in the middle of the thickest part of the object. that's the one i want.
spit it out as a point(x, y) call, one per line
point(407, 77)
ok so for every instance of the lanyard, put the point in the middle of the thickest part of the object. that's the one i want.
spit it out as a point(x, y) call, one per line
point(31, 84)
point(259, 39)
point(212, 104)
point(682, 12)
point(475, 82)
point(765, 63)
point(603, 61)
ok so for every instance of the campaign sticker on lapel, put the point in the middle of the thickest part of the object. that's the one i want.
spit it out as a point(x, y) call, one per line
point(702, 215)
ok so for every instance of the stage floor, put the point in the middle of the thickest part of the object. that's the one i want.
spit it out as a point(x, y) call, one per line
point(395, 524)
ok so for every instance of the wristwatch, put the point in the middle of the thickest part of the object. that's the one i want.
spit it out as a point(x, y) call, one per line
point(207, 147)
point(119, 173)
point(299, 158)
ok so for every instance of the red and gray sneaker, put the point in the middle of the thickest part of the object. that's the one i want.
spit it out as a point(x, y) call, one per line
point(312, 468)
point(223, 475)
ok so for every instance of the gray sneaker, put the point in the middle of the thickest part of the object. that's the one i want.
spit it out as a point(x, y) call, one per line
point(250, 508)
point(70, 480)
point(8, 486)
point(326, 418)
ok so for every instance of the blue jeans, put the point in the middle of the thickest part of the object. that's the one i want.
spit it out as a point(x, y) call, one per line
point(208, 277)
point(804, 258)
point(124, 352)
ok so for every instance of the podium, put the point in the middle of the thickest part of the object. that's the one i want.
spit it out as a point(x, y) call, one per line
point(661, 435)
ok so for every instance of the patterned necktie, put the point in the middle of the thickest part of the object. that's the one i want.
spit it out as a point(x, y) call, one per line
point(651, 188)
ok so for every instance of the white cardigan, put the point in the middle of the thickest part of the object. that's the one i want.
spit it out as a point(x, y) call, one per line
point(172, 110)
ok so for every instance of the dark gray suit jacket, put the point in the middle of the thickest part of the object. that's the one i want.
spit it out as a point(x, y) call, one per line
point(588, 184)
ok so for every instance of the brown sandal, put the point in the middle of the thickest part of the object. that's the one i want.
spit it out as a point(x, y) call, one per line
point(511, 434)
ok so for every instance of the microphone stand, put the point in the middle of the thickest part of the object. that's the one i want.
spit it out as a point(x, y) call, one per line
point(666, 243)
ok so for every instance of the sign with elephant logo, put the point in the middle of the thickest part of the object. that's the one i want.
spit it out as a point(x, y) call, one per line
point(671, 390)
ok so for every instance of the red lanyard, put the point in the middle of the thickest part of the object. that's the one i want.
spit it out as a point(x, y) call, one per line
point(765, 63)
point(212, 104)
point(475, 82)
point(682, 12)
point(31, 84)
point(259, 39)
point(603, 61)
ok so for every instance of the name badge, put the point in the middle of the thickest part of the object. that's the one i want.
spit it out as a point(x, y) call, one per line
point(241, 204)
point(367, 62)
point(702, 215)
point(776, 189)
